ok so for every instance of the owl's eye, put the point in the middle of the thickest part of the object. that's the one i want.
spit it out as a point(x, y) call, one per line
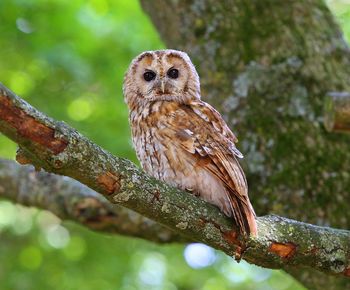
point(173, 73)
point(149, 75)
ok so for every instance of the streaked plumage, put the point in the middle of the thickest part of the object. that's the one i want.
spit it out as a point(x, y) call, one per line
point(182, 140)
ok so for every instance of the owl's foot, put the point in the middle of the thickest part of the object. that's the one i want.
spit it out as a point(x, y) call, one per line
point(239, 253)
point(195, 193)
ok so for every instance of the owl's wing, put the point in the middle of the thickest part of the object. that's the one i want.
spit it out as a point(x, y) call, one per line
point(212, 142)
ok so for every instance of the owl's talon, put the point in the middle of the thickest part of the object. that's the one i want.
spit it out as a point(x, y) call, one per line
point(195, 193)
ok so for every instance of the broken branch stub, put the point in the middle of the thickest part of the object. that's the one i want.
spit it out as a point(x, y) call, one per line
point(337, 112)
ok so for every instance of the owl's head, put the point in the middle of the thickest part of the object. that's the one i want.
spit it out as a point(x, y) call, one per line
point(167, 75)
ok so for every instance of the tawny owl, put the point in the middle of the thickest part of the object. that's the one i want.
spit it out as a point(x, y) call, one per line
point(182, 140)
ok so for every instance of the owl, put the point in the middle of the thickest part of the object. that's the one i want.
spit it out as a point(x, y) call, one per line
point(182, 140)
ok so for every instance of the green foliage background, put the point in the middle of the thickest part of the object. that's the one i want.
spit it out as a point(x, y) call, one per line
point(68, 58)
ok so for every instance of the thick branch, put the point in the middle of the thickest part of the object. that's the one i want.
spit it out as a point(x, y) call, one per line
point(60, 149)
point(337, 112)
point(71, 200)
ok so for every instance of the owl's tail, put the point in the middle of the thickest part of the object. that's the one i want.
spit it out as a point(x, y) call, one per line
point(243, 215)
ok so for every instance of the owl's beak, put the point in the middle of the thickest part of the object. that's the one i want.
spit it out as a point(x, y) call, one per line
point(162, 86)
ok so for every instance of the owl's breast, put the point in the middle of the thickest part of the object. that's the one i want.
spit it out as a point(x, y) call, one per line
point(163, 144)
point(154, 136)
point(148, 148)
point(153, 149)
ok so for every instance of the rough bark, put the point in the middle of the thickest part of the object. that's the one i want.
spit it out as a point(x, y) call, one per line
point(268, 66)
point(71, 200)
point(56, 147)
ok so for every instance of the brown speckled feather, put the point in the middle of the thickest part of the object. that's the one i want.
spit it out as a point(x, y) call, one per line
point(213, 141)
point(182, 140)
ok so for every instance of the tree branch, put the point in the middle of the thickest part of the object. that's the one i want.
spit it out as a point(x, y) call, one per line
point(56, 147)
point(337, 112)
point(70, 200)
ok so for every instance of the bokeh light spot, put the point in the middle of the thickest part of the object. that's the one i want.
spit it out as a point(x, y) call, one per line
point(76, 249)
point(153, 269)
point(24, 25)
point(21, 83)
point(7, 214)
point(24, 220)
point(30, 258)
point(199, 255)
point(57, 236)
point(79, 109)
